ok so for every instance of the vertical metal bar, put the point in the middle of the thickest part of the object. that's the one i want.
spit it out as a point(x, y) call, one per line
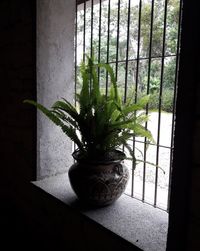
point(150, 48)
point(174, 101)
point(138, 49)
point(108, 45)
point(160, 101)
point(99, 49)
point(75, 60)
point(84, 33)
point(136, 85)
point(127, 51)
point(91, 38)
point(75, 53)
point(148, 87)
point(117, 44)
point(127, 54)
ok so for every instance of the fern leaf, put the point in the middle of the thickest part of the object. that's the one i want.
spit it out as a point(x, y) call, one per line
point(144, 100)
point(63, 117)
point(69, 131)
point(63, 106)
point(44, 110)
point(113, 80)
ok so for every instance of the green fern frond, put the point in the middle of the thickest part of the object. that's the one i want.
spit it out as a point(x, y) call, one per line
point(69, 131)
point(65, 107)
point(45, 111)
point(104, 122)
point(113, 80)
point(144, 101)
point(66, 119)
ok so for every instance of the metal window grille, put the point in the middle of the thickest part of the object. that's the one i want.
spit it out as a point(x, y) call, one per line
point(140, 39)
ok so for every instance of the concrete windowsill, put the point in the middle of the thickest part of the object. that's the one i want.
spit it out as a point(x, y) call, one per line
point(138, 223)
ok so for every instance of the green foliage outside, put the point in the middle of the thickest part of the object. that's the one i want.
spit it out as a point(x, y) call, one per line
point(146, 85)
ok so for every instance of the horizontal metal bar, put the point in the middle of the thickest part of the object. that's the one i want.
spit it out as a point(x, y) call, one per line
point(142, 58)
point(139, 141)
point(79, 2)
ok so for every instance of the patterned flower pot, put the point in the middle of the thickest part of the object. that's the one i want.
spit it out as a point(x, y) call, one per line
point(98, 183)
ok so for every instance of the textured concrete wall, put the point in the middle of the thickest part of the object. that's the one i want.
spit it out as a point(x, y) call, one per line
point(55, 64)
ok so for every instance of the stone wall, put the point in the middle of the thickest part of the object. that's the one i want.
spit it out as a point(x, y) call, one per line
point(55, 79)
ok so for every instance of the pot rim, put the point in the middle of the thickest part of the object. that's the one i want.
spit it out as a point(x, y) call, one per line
point(120, 156)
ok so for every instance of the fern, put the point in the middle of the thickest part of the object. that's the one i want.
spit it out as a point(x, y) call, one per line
point(68, 130)
point(104, 122)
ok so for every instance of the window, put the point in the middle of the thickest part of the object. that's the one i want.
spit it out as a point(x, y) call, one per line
point(140, 39)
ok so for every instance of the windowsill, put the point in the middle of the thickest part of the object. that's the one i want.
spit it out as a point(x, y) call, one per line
point(140, 224)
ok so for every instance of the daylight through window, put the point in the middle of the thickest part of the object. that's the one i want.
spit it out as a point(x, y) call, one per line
point(140, 39)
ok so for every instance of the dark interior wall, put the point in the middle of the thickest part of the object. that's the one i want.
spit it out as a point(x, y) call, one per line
point(18, 121)
point(184, 214)
point(18, 82)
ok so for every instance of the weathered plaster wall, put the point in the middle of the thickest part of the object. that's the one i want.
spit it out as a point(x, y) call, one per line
point(55, 64)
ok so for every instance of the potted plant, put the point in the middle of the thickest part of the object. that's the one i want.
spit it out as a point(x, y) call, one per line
point(99, 125)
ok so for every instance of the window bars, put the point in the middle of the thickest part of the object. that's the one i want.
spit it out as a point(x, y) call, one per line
point(140, 39)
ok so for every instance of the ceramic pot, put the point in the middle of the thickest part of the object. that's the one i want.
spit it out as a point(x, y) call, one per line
point(98, 183)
